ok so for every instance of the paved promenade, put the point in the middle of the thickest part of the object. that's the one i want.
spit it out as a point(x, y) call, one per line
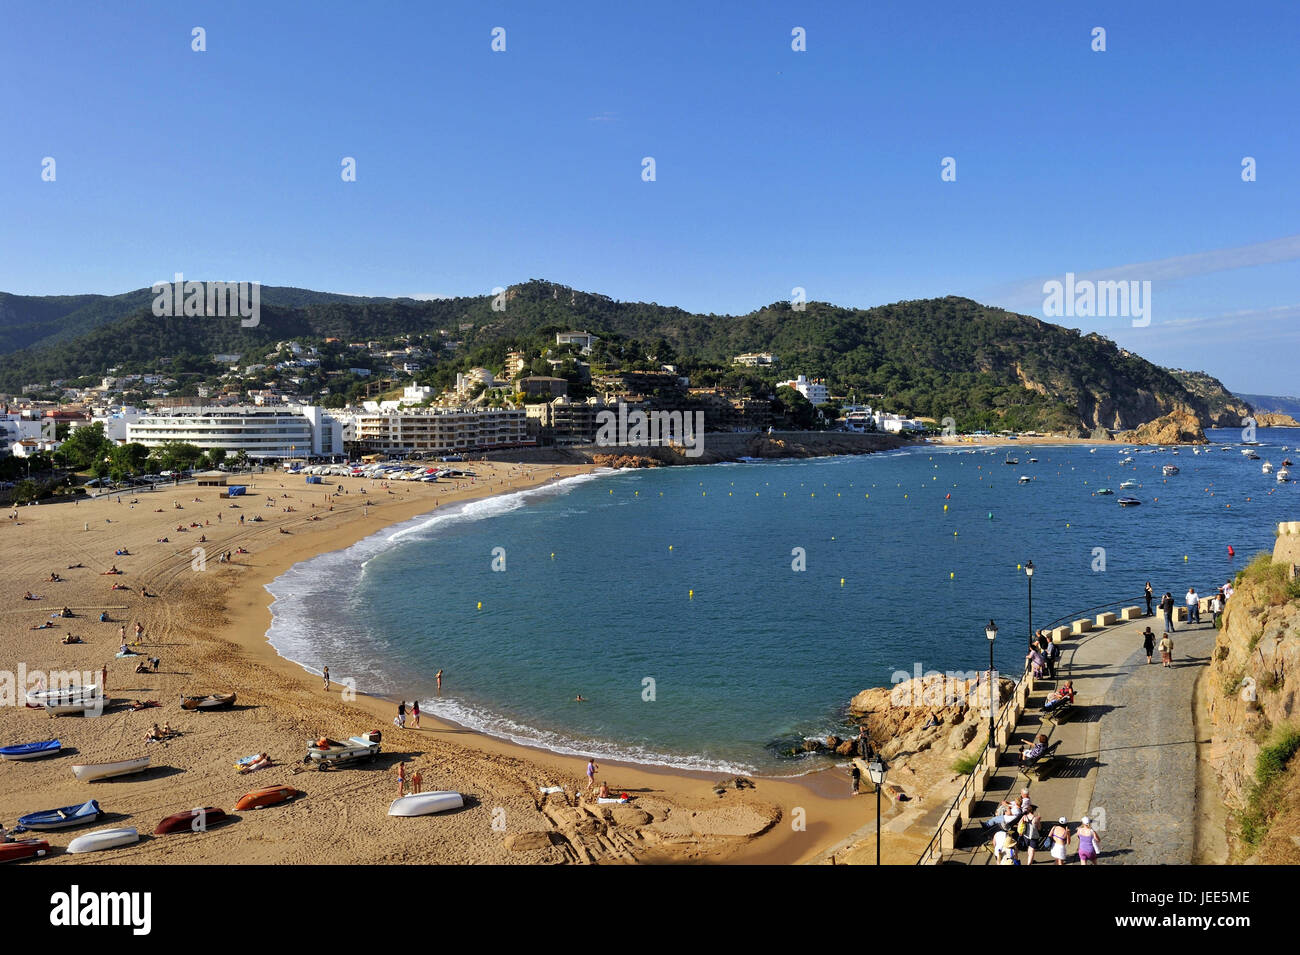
point(1127, 757)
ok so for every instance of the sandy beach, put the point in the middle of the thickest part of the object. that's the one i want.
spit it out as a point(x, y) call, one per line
point(206, 622)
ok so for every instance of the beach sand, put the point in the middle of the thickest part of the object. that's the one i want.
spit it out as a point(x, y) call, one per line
point(208, 628)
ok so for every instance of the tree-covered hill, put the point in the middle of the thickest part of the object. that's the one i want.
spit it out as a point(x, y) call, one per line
point(934, 357)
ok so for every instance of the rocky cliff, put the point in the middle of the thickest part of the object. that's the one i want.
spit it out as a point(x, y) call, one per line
point(1252, 694)
point(1178, 427)
point(1273, 419)
point(1214, 404)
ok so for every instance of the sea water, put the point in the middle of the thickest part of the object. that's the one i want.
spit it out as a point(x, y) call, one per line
point(712, 617)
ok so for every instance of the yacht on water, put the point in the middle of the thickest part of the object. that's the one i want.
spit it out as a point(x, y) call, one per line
point(1129, 484)
point(1170, 469)
point(1268, 467)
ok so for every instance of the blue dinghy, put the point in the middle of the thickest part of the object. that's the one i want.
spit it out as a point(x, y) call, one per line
point(31, 750)
point(63, 818)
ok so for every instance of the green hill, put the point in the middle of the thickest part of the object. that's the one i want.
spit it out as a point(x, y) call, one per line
point(934, 357)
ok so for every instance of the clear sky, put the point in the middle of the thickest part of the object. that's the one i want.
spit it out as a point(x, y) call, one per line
point(774, 168)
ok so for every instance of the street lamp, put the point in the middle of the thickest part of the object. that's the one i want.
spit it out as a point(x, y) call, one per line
point(876, 770)
point(1029, 573)
point(991, 631)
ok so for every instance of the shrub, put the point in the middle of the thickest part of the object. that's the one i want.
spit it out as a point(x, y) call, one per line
point(1270, 767)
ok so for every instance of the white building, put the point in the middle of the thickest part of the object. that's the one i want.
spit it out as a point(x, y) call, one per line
point(755, 359)
point(294, 431)
point(582, 339)
point(19, 427)
point(815, 390)
point(441, 430)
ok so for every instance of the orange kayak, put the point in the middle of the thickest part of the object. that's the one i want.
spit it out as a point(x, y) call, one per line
point(270, 796)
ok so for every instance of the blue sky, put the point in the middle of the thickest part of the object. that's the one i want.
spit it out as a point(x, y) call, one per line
point(774, 168)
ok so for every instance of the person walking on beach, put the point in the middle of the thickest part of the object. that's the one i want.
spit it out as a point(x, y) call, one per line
point(326, 675)
point(400, 719)
point(401, 779)
point(592, 769)
point(1193, 606)
point(439, 681)
point(1167, 606)
point(1166, 651)
point(1088, 843)
point(415, 712)
point(855, 779)
point(1060, 836)
point(1148, 642)
point(103, 680)
point(1149, 594)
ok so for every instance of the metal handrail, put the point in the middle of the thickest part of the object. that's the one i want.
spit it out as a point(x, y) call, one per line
point(931, 847)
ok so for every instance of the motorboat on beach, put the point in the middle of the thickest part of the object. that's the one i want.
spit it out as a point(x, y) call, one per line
point(326, 752)
point(426, 804)
point(65, 818)
point(23, 849)
point(60, 701)
point(192, 820)
point(103, 839)
point(89, 772)
point(31, 750)
point(213, 701)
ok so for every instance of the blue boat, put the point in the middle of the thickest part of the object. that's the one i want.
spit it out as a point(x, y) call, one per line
point(64, 818)
point(31, 750)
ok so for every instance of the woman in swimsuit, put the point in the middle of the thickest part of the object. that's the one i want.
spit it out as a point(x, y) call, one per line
point(1088, 843)
point(1060, 836)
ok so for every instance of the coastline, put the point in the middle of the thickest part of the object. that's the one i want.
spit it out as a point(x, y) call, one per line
point(210, 630)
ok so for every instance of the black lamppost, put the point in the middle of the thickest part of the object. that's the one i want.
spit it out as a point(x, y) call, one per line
point(991, 631)
point(1029, 573)
point(876, 769)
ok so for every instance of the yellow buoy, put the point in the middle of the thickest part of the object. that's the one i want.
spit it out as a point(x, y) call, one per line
point(670, 546)
point(480, 605)
point(841, 581)
point(945, 507)
point(951, 575)
point(552, 555)
point(691, 594)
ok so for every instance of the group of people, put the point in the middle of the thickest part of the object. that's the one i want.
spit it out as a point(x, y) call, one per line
point(1042, 656)
point(400, 719)
point(1021, 829)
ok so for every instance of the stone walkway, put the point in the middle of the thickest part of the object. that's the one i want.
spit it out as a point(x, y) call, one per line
point(1127, 758)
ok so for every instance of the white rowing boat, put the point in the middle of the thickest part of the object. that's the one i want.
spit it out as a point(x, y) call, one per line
point(88, 772)
point(102, 839)
point(425, 804)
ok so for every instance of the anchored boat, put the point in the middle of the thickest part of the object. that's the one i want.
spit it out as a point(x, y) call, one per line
point(1129, 502)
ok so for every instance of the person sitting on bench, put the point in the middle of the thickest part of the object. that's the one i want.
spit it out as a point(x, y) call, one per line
point(1034, 751)
point(1008, 813)
point(1063, 695)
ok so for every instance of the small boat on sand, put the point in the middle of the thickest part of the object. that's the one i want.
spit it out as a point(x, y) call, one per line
point(425, 804)
point(89, 772)
point(326, 752)
point(65, 818)
point(102, 839)
point(192, 820)
point(31, 750)
point(213, 701)
point(60, 701)
point(269, 796)
point(23, 849)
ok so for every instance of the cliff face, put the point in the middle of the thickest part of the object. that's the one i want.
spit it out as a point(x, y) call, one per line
point(1253, 694)
point(1178, 427)
point(1214, 404)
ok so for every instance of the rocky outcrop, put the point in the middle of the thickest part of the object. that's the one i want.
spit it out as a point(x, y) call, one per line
point(715, 447)
point(1214, 404)
point(1252, 693)
point(1177, 427)
point(1274, 419)
point(625, 461)
point(938, 711)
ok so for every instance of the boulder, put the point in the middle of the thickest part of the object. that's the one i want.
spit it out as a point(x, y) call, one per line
point(1180, 426)
point(812, 746)
point(961, 735)
point(833, 742)
point(847, 748)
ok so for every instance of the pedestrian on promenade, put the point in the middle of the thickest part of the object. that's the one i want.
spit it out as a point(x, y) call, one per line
point(1029, 835)
point(1060, 836)
point(1148, 642)
point(1193, 606)
point(1088, 843)
point(1051, 654)
point(1216, 607)
point(1167, 606)
point(1166, 651)
point(1149, 594)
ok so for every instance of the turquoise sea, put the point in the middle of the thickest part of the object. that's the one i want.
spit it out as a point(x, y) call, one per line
point(667, 598)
